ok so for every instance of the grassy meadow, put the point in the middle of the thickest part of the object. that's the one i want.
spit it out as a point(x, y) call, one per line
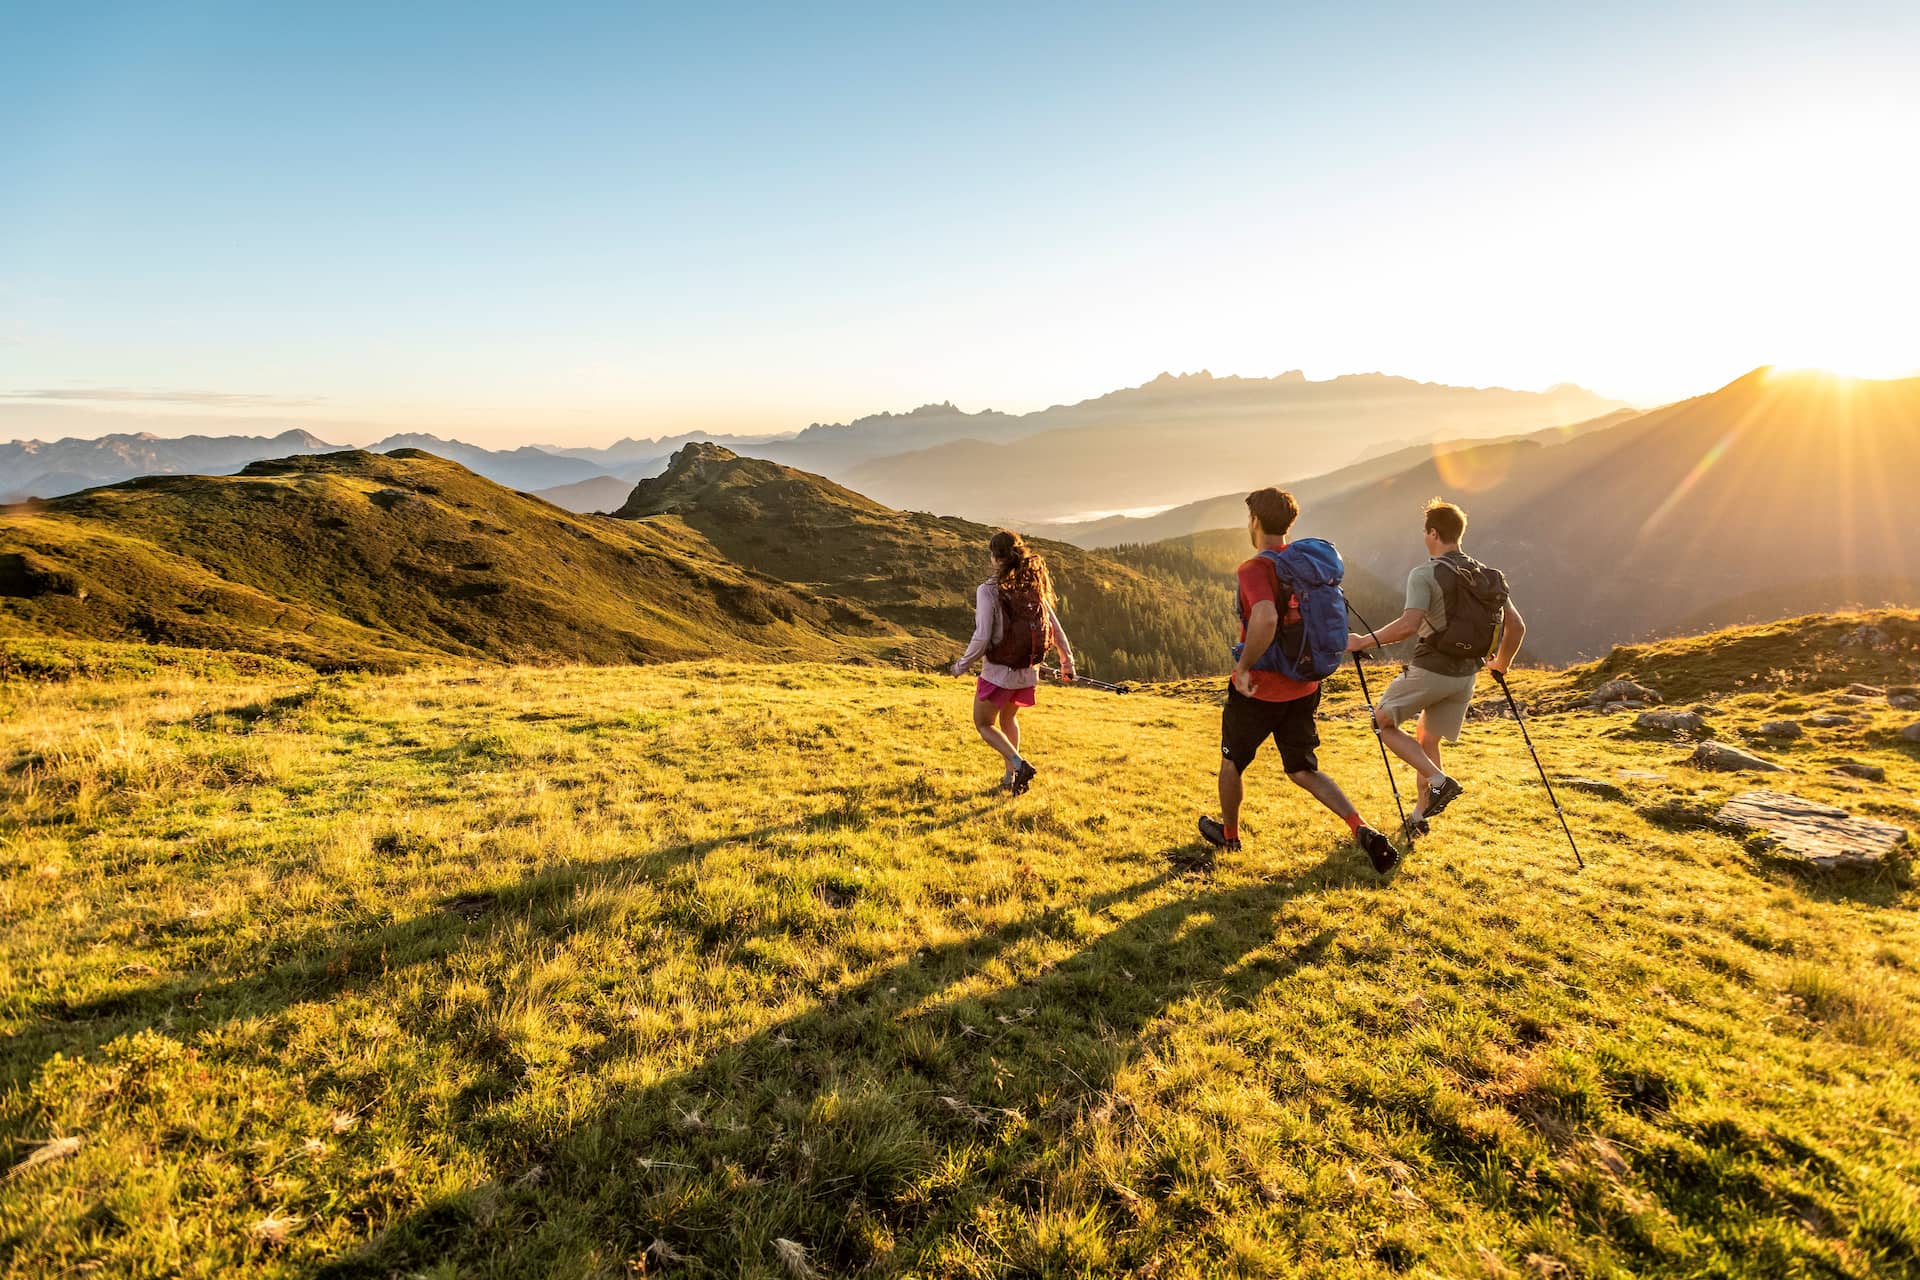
point(714, 969)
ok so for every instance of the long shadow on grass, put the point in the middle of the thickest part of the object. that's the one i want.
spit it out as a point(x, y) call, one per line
point(323, 963)
point(871, 1127)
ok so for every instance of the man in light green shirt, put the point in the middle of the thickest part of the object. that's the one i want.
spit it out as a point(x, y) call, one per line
point(1437, 686)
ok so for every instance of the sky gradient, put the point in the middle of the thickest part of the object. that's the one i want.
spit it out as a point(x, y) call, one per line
point(569, 223)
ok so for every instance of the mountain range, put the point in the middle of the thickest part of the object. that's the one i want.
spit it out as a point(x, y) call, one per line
point(1774, 495)
point(1171, 439)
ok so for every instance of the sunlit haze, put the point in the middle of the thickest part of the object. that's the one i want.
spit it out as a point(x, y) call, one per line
point(518, 225)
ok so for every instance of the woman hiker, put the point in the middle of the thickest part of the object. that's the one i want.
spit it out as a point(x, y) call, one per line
point(1013, 624)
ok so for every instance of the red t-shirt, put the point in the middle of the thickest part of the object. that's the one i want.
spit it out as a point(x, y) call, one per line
point(1258, 582)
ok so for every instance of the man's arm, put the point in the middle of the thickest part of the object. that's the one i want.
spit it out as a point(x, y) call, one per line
point(1513, 629)
point(1262, 623)
point(1400, 628)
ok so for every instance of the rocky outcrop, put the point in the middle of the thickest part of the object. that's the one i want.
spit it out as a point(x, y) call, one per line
point(1855, 769)
point(1676, 723)
point(1867, 637)
point(1818, 834)
point(1718, 757)
point(1622, 691)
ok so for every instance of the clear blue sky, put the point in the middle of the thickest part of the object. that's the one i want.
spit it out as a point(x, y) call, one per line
point(571, 222)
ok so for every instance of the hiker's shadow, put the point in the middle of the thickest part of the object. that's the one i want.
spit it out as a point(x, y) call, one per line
point(348, 955)
point(968, 1063)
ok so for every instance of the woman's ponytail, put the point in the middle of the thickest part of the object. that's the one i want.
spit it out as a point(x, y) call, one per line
point(1021, 567)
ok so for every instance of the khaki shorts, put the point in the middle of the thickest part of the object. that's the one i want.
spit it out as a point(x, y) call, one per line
point(1443, 700)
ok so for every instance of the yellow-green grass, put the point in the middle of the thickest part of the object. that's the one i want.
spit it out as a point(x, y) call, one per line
point(518, 972)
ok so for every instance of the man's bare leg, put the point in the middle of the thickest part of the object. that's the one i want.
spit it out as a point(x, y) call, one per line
point(1232, 790)
point(1412, 752)
point(1327, 792)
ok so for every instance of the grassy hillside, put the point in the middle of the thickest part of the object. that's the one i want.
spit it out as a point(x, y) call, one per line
point(919, 571)
point(741, 970)
point(354, 559)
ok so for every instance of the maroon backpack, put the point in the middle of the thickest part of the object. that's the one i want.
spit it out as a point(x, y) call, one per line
point(1023, 630)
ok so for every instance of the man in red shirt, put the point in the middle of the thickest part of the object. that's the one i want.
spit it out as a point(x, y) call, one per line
point(1268, 704)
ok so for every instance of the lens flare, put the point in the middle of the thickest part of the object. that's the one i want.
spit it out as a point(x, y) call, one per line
point(1474, 470)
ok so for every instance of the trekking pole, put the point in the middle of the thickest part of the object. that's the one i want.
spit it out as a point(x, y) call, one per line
point(1372, 720)
point(1393, 782)
point(1500, 678)
point(1080, 679)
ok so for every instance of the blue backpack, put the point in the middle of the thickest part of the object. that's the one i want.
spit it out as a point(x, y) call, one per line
point(1313, 648)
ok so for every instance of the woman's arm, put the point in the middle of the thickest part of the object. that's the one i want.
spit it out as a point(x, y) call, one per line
point(1058, 634)
point(985, 603)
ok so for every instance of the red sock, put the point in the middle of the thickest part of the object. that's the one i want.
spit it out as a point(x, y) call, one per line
point(1233, 832)
point(1353, 823)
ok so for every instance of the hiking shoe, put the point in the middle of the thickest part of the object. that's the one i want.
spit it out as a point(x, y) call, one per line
point(1216, 835)
point(1414, 826)
point(1023, 778)
point(1380, 850)
point(1440, 795)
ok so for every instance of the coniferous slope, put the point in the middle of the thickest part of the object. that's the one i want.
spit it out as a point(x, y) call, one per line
point(919, 571)
point(355, 558)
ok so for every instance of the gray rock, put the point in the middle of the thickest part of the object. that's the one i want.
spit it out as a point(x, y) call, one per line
point(1701, 709)
point(1622, 691)
point(1904, 691)
point(1612, 707)
point(1852, 699)
point(1903, 702)
point(1674, 722)
point(1819, 834)
point(1781, 730)
point(1867, 690)
point(1864, 637)
point(1631, 704)
point(1911, 733)
point(1718, 757)
point(1639, 775)
point(1829, 721)
point(1854, 769)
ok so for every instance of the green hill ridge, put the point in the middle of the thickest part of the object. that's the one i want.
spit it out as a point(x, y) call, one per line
point(357, 559)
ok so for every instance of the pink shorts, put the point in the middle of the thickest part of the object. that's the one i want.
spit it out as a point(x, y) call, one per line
point(988, 691)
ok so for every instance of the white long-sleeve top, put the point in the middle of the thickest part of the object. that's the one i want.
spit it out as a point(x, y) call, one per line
point(986, 629)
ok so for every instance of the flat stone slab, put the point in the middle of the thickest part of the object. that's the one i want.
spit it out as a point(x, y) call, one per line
point(1903, 702)
point(1818, 834)
point(1721, 758)
point(1781, 730)
point(1829, 721)
point(1911, 733)
point(1639, 775)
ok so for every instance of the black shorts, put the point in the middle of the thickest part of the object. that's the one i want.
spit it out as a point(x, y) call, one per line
point(1248, 722)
